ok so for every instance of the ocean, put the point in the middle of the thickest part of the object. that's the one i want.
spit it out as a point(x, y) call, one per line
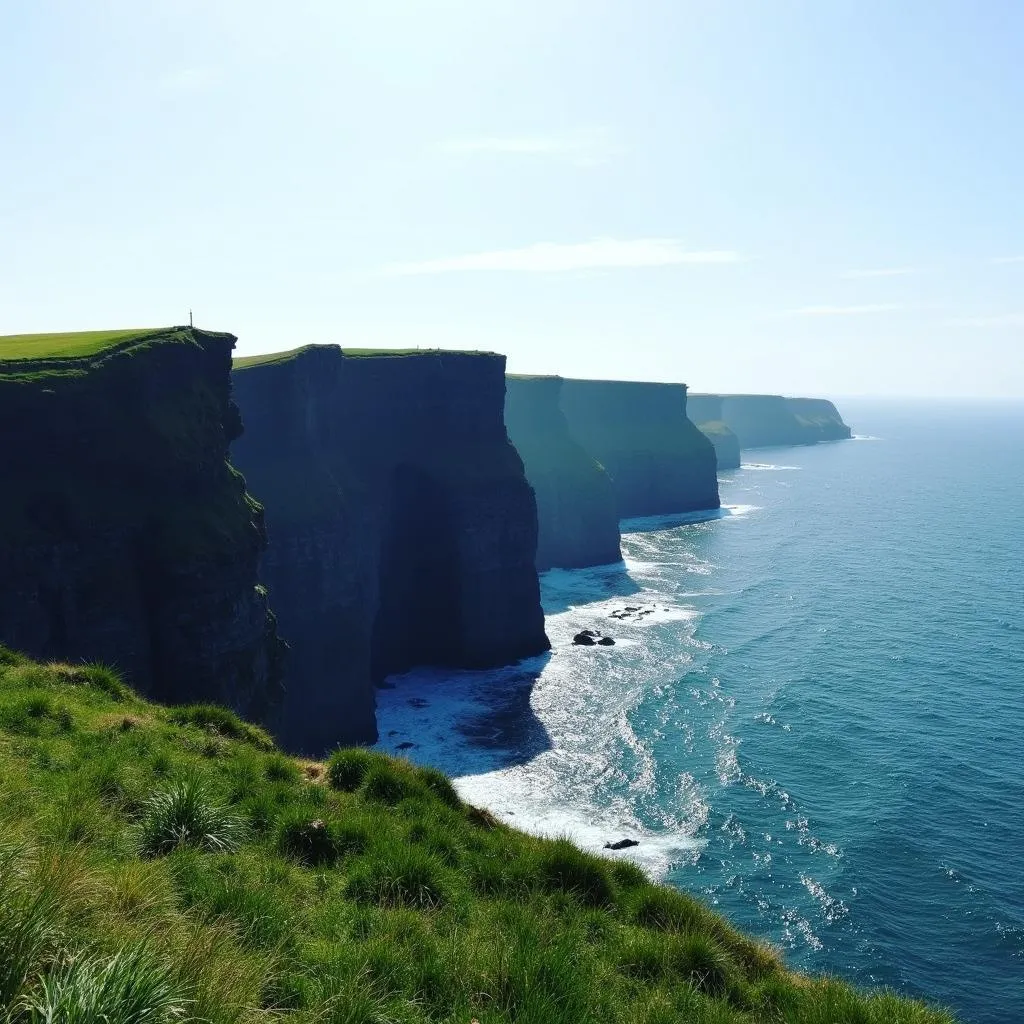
point(813, 713)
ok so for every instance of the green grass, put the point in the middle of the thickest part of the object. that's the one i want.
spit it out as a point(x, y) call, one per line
point(70, 345)
point(270, 358)
point(162, 865)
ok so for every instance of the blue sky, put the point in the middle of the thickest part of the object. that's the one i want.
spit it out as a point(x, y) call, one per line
point(820, 197)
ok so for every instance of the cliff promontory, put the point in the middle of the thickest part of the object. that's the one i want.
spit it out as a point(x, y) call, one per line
point(761, 421)
point(402, 528)
point(578, 522)
point(659, 462)
point(125, 534)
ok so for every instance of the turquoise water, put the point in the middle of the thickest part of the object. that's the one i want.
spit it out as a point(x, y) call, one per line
point(818, 723)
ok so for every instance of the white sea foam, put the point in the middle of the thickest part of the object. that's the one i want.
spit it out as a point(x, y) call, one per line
point(767, 467)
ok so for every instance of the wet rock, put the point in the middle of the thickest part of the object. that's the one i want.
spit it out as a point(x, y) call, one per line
point(622, 844)
point(606, 641)
point(584, 639)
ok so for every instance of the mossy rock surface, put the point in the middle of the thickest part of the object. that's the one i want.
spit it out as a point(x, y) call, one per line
point(175, 851)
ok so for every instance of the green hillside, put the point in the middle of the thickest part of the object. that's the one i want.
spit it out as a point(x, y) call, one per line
point(162, 864)
point(69, 345)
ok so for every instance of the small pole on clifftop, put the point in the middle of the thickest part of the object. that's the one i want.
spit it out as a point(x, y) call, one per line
point(190, 316)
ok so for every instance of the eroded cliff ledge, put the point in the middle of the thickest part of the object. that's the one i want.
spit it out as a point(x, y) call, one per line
point(402, 528)
point(659, 462)
point(760, 421)
point(578, 522)
point(125, 535)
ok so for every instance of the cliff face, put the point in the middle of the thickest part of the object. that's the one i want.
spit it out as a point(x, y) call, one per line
point(402, 529)
point(820, 417)
point(126, 535)
point(706, 412)
point(578, 522)
point(659, 462)
point(320, 564)
point(761, 421)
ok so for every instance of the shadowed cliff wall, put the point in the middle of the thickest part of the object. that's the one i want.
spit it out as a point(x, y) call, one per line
point(761, 421)
point(419, 546)
point(125, 535)
point(706, 412)
point(576, 511)
point(659, 462)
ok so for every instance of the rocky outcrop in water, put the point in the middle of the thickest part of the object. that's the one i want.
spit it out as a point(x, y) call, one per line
point(126, 535)
point(578, 522)
point(658, 461)
point(761, 421)
point(402, 529)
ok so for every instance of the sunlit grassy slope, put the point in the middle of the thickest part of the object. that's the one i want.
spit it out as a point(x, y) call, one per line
point(69, 345)
point(165, 864)
point(266, 358)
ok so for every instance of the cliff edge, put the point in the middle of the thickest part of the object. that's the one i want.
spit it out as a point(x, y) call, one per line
point(127, 537)
point(402, 528)
point(658, 460)
point(578, 523)
point(761, 421)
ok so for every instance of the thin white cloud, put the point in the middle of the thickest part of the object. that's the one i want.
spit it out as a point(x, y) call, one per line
point(881, 272)
point(550, 257)
point(882, 307)
point(186, 80)
point(998, 320)
point(1000, 260)
point(594, 146)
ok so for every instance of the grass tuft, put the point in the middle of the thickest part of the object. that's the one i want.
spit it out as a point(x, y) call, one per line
point(185, 814)
point(389, 784)
point(311, 843)
point(403, 877)
point(564, 867)
point(222, 722)
point(131, 987)
point(347, 768)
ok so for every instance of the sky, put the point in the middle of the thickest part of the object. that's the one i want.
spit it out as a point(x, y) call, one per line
point(812, 197)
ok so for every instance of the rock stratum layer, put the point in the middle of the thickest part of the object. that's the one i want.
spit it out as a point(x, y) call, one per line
point(761, 421)
point(578, 521)
point(402, 528)
point(658, 460)
point(126, 535)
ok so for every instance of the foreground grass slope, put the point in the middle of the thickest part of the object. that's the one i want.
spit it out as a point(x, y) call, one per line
point(163, 864)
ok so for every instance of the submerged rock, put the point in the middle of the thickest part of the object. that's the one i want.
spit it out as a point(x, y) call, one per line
point(621, 844)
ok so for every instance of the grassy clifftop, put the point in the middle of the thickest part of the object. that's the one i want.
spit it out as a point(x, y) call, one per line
point(70, 345)
point(168, 864)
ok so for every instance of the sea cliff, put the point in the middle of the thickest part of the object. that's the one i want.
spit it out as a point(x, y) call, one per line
point(578, 522)
point(760, 421)
point(658, 461)
point(127, 537)
point(402, 529)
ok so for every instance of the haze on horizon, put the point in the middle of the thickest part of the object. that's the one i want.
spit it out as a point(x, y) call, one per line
point(804, 196)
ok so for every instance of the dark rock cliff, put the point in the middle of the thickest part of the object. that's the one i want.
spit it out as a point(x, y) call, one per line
point(402, 528)
point(706, 412)
point(820, 417)
point(126, 535)
point(576, 511)
point(659, 462)
point(760, 421)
